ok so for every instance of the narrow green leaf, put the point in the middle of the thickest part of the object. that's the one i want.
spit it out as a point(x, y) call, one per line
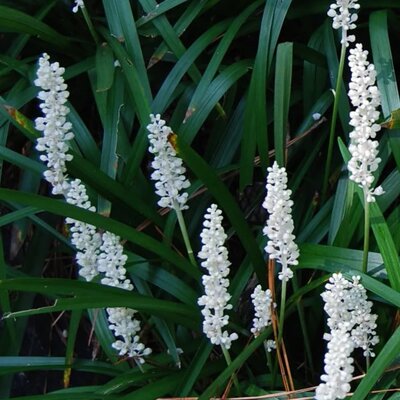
point(255, 122)
point(389, 352)
point(91, 295)
point(283, 83)
point(12, 20)
point(386, 74)
point(122, 230)
point(122, 26)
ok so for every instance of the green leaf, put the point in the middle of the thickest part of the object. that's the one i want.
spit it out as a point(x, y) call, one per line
point(67, 210)
point(283, 83)
point(389, 352)
point(12, 20)
point(255, 120)
point(92, 295)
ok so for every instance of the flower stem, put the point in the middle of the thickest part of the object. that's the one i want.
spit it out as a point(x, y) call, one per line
point(366, 235)
point(268, 354)
point(282, 311)
point(229, 362)
point(90, 25)
point(333, 122)
point(182, 226)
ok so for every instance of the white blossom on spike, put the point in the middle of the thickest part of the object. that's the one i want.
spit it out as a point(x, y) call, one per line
point(364, 95)
point(78, 4)
point(262, 302)
point(279, 227)
point(216, 298)
point(169, 172)
point(344, 18)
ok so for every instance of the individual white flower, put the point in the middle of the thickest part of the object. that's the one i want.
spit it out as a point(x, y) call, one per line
point(351, 326)
point(56, 130)
point(216, 298)
point(262, 302)
point(270, 345)
point(169, 172)
point(344, 18)
point(338, 367)
point(78, 4)
point(364, 95)
point(279, 227)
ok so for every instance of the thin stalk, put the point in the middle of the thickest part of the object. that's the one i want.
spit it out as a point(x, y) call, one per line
point(186, 240)
point(229, 362)
point(268, 355)
point(90, 25)
point(333, 122)
point(366, 235)
point(282, 311)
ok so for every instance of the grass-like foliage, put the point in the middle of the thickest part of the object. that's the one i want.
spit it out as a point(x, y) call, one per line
point(144, 253)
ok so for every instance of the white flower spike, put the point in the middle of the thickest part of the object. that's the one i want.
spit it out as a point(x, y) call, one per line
point(279, 227)
point(351, 326)
point(169, 172)
point(216, 298)
point(56, 130)
point(96, 253)
point(344, 18)
point(364, 95)
point(262, 302)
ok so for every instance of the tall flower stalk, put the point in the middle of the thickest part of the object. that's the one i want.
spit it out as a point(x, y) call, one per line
point(344, 19)
point(215, 301)
point(169, 174)
point(279, 229)
point(364, 96)
point(97, 254)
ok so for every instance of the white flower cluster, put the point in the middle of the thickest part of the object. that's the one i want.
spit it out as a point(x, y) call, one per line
point(344, 18)
point(96, 253)
point(338, 367)
point(351, 326)
point(215, 300)
point(279, 228)
point(56, 130)
point(78, 4)
point(262, 302)
point(364, 95)
point(84, 236)
point(169, 171)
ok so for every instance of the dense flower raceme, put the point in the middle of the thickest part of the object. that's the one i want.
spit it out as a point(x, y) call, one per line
point(96, 253)
point(279, 227)
point(351, 326)
point(216, 298)
point(262, 302)
point(344, 18)
point(56, 130)
point(169, 172)
point(78, 4)
point(364, 95)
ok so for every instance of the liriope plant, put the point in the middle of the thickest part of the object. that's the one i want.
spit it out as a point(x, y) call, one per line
point(168, 127)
